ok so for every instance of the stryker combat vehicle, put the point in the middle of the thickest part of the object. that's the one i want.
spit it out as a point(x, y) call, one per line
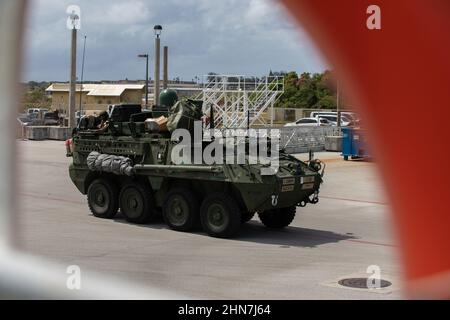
point(127, 163)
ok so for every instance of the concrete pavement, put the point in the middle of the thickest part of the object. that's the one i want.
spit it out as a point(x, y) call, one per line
point(345, 233)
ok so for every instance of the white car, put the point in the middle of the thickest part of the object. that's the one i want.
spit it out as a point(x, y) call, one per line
point(333, 119)
point(309, 122)
point(350, 116)
point(32, 110)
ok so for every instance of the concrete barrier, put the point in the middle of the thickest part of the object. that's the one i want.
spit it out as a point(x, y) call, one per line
point(47, 132)
point(333, 143)
point(37, 133)
point(59, 133)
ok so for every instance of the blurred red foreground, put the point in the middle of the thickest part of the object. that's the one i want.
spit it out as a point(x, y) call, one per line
point(400, 76)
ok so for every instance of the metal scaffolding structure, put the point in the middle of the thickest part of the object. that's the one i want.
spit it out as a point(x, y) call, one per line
point(238, 101)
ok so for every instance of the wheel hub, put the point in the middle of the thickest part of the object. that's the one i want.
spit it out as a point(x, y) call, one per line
point(100, 198)
point(216, 215)
point(178, 211)
point(133, 203)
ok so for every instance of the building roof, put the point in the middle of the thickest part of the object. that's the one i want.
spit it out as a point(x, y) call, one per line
point(104, 90)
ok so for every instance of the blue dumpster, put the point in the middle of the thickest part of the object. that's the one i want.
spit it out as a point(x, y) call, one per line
point(354, 143)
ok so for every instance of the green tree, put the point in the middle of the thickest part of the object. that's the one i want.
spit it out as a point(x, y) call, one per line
point(287, 100)
point(309, 91)
point(34, 96)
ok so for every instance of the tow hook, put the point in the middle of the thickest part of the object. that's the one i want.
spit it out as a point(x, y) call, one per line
point(274, 200)
point(302, 204)
point(313, 200)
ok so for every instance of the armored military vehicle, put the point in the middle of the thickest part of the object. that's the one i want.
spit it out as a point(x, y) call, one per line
point(129, 166)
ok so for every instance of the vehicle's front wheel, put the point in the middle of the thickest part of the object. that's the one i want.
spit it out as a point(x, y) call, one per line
point(102, 198)
point(277, 218)
point(220, 216)
point(136, 203)
point(181, 209)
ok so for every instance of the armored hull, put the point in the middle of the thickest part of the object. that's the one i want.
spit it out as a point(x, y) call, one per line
point(128, 168)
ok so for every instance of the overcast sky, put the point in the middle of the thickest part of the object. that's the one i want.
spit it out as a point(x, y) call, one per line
point(245, 37)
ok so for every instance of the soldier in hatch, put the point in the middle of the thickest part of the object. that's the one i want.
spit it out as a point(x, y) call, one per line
point(97, 124)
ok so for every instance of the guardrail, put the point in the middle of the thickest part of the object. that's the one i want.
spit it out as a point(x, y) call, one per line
point(304, 139)
point(295, 139)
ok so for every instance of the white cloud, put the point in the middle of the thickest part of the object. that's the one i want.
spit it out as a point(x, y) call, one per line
point(228, 36)
point(126, 13)
point(260, 11)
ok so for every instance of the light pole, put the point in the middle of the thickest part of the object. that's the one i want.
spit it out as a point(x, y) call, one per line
point(338, 104)
point(166, 67)
point(82, 78)
point(74, 24)
point(146, 78)
point(158, 30)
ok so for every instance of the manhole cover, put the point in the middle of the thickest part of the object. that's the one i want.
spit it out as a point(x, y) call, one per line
point(361, 283)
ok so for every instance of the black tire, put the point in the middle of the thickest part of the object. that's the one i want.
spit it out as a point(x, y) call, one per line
point(181, 209)
point(278, 218)
point(103, 200)
point(136, 203)
point(220, 216)
point(247, 216)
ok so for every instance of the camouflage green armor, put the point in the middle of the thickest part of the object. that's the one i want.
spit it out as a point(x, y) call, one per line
point(131, 169)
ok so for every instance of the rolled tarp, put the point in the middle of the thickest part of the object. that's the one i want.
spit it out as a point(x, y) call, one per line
point(117, 165)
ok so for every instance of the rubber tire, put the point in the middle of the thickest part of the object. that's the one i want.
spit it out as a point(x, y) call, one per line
point(148, 212)
point(112, 191)
point(232, 211)
point(193, 206)
point(247, 216)
point(277, 218)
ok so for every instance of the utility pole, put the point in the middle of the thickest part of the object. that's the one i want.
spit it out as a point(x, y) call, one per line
point(166, 67)
point(82, 77)
point(158, 30)
point(73, 79)
point(73, 24)
point(338, 104)
point(146, 78)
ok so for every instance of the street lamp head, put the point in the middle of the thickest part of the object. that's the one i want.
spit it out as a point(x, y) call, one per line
point(158, 30)
point(143, 56)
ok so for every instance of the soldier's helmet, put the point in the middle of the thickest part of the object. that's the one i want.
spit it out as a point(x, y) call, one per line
point(168, 98)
